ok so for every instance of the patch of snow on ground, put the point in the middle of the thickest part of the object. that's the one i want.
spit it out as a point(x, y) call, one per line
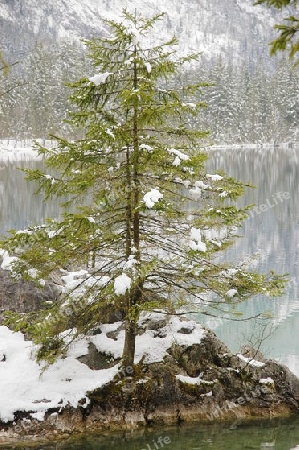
point(153, 344)
point(195, 381)
point(250, 361)
point(67, 381)
point(24, 388)
point(266, 381)
point(189, 380)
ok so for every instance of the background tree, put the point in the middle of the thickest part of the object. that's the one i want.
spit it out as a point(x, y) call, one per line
point(47, 92)
point(288, 37)
point(4, 66)
point(7, 87)
point(4, 70)
point(36, 103)
point(148, 221)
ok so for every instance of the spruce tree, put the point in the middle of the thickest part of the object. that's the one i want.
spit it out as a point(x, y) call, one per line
point(142, 216)
point(288, 30)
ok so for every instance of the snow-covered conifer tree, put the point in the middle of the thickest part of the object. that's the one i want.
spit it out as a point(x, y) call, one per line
point(144, 220)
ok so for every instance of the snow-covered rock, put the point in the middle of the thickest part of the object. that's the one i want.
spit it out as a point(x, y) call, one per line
point(181, 371)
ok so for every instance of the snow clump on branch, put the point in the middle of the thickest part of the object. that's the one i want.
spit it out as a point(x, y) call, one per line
point(152, 197)
point(122, 283)
point(196, 242)
point(100, 78)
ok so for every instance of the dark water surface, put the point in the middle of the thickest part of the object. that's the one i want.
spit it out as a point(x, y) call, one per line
point(275, 434)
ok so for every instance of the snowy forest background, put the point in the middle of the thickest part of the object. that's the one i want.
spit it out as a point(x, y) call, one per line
point(254, 98)
point(244, 105)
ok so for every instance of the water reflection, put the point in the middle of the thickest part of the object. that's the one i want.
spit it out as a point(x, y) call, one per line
point(271, 231)
point(20, 206)
point(274, 434)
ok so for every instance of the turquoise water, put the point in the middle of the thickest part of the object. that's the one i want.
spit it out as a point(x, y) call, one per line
point(275, 434)
point(271, 233)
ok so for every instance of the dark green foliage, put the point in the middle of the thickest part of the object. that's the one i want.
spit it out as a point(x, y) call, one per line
point(288, 37)
point(277, 3)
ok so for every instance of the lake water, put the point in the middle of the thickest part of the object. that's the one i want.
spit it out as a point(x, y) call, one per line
point(275, 434)
point(19, 205)
point(271, 232)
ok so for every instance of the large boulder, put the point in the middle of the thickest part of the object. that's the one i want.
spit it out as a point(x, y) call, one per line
point(204, 381)
point(184, 373)
point(23, 296)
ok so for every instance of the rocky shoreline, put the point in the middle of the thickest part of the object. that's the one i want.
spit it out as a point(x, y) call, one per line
point(195, 379)
point(202, 382)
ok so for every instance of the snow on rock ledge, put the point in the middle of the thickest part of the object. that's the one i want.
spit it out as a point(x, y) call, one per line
point(183, 372)
point(68, 380)
point(24, 388)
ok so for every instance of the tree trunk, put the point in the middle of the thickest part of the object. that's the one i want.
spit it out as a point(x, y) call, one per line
point(132, 218)
point(129, 345)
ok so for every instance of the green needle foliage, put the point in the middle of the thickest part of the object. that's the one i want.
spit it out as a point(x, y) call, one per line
point(148, 223)
point(287, 39)
point(3, 64)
